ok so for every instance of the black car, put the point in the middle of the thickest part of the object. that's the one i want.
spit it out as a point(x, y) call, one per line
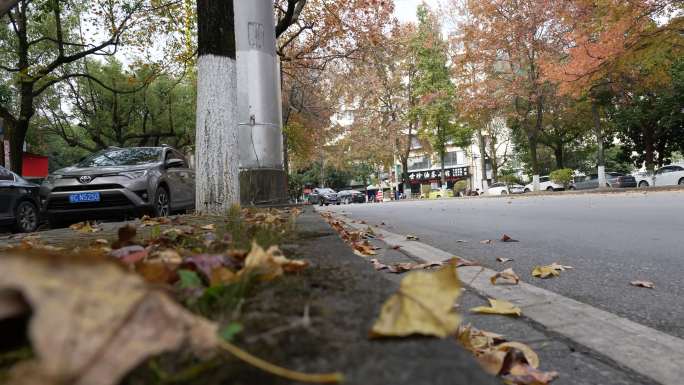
point(19, 202)
point(351, 196)
point(324, 196)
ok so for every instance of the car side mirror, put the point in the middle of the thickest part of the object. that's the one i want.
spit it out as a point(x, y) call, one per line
point(174, 163)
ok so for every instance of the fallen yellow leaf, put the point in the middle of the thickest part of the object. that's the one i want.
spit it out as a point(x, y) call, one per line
point(415, 309)
point(209, 227)
point(498, 306)
point(545, 272)
point(222, 276)
point(646, 284)
point(260, 262)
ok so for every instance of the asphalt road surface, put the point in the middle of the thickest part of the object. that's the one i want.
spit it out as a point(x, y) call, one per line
point(609, 239)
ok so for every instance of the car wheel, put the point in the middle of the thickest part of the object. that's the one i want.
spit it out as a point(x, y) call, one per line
point(549, 188)
point(643, 183)
point(504, 192)
point(162, 206)
point(26, 216)
point(571, 188)
point(527, 190)
point(681, 182)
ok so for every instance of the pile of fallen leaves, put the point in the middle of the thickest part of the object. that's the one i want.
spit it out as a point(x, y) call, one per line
point(101, 310)
point(415, 309)
point(359, 241)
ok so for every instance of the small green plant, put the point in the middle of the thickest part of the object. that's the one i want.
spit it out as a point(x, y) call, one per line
point(460, 186)
point(562, 176)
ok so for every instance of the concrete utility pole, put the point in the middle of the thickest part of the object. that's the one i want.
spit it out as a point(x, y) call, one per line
point(217, 161)
point(262, 174)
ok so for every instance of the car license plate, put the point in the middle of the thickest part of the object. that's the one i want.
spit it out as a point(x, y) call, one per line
point(84, 197)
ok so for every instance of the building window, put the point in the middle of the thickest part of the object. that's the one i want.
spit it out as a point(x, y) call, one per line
point(418, 163)
point(454, 158)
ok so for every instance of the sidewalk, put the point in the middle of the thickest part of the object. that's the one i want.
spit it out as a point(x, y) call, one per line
point(342, 295)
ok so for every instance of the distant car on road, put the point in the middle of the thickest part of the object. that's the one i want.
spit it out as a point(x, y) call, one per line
point(671, 175)
point(351, 196)
point(19, 202)
point(613, 179)
point(324, 196)
point(545, 184)
point(120, 181)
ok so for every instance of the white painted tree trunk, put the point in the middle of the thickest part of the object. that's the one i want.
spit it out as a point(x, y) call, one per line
point(602, 176)
point(535, 182)
point(217, 156)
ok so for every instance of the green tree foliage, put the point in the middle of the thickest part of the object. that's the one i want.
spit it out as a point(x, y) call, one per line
point(434, 90)
point(562, 176)
point(650, 123)
point(124, 108)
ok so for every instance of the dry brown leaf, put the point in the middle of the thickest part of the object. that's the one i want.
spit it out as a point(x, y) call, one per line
point(507, 238)
point(85, 227)
point(415, 309)
point(222, 276)
point(269, 264)
point(491, 360)
point(523, 374)
point(458, 262)
point(261, 263)
point(508, 274)
point(476, 340)
point(157, 273)
point(646, 284)
point(531, 357)
point(168, 256)
point(377, 265)
point(210, 227)
point(504, 260)
point(486, 242)
point(412, 237)
point(498, 306)
point(92, 322)
point(365, 249)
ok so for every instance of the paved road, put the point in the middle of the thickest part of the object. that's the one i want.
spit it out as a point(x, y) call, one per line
point(610, 239)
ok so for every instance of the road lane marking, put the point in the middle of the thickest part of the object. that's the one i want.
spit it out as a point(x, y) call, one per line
point(647, 351)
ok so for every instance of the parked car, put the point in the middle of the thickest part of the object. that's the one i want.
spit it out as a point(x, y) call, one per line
point(671, 175)
point(324, 196)
point(613, 179)
point(545, 184)
point(19, 202)
point(497, 189)
point(351, 196)
point(643, 179)
point(120, 181)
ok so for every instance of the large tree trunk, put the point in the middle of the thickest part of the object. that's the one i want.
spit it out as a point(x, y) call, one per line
point(483, 160)
point(649, 149)
point(217, 184)
point(558, 154)
point(492, 156)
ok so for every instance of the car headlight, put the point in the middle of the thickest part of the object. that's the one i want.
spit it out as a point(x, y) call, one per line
point(53, 178)
point(134, 174)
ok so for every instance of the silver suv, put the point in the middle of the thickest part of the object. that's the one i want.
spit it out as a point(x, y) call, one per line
point(120, 181)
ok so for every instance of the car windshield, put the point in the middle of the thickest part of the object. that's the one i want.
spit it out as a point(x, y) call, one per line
point(326, 191)
point(122, 157)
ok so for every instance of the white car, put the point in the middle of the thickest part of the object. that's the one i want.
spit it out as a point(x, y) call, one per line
point(545, 184)
point(671, 175)
point(497, 189)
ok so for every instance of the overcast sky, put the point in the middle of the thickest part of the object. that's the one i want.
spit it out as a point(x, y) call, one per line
point(405, 10)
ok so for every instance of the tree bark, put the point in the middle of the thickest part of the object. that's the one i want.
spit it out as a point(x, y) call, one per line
point(558, 150)
point(649, 149)
point(492, 156)
point(217, 183)
point(483, 160)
